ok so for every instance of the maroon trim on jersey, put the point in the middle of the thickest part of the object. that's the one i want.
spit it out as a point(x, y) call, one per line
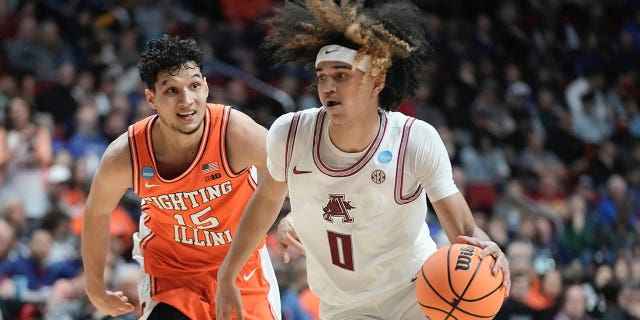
point(402, 154)
point(332, 172)
point(291, 140)
point(135, 166)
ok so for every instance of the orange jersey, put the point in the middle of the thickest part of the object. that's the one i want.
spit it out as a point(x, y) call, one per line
point(187, 223)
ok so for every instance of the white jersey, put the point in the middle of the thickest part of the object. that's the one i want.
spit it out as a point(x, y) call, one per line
point(361, 217)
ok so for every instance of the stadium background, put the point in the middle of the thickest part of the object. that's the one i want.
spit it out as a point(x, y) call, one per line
point(537, 102)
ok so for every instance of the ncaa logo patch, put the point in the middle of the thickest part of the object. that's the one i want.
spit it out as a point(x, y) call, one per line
point(385, 156)
point(148, 172)
point(378, 176)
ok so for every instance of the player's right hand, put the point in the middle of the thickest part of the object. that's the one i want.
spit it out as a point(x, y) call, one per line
point(112, 303)
point(227, 300)
point(288, 237)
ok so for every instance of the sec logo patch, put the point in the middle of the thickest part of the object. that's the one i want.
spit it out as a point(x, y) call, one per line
point(378, 176)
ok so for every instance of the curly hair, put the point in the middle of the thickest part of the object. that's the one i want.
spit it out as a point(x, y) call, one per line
point(392, 33)
point(167, 54)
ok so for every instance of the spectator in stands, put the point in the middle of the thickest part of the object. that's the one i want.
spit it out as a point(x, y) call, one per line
point(7, 239)
point(484, 161)
point(605, 163)
point(33, 266)
point(629, 301)
point(24, 53)
point(425, 108)
point(8, 89)
point(592, 118)
point(520, 255)
point(574, 304)
point(578, 236)
point(30, 278)
point(58, 100)
point(64, 245)
point(536, 161)
point(87, 139)
point(25, 156)
point(490, 113)
point(615, 212)
point(551, 288)
point(566, 145)
point(54, 48)
point(14, 214)
point(606, 290)
point(550, 196)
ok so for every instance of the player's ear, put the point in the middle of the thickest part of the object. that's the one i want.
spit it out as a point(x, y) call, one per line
point(151, 98)
point(378, 88)
point(379, 83)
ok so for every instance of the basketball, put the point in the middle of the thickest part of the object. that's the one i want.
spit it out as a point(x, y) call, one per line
point(454, 284)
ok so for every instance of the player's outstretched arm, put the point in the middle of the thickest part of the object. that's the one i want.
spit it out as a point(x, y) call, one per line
point(457, 221)
point(111, 181)
point(257, 218)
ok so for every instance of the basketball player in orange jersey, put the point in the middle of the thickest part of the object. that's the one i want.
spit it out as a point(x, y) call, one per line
point(191, 164)
point(356, 173)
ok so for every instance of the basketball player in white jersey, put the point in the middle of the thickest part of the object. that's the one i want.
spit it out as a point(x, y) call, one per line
point(356, 173)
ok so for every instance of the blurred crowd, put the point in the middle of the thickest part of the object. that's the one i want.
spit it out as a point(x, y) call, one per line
point(538, 103)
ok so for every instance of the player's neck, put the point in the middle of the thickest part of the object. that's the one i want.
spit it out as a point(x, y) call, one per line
point(179, 143)
point(355, 136)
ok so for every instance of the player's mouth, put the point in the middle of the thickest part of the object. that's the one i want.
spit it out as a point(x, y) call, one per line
point(332, 103)
point(187, 115)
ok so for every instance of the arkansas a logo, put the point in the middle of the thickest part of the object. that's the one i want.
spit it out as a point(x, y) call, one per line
point(338, 207)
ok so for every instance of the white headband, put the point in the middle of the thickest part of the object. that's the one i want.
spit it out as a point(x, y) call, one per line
point(334, 52)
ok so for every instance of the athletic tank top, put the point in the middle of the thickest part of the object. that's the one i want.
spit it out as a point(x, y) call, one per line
point(188, 222)
point(363, 224)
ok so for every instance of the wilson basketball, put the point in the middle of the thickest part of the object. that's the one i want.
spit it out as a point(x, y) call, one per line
point(454, 284)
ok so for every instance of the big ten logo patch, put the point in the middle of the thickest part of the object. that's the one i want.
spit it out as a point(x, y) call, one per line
point(212, 177)
point(338, 207)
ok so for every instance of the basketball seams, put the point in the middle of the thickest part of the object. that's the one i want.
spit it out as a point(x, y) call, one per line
point(449, 314)
point(486, 295)
point(457, 302)
point(426, 280)
point(438, 309)
point(460, 297)
point(466, 288)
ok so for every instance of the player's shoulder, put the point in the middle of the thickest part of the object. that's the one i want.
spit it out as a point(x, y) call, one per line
point(115, 169)
point(118, 154)
point(295, 118)
point(399, 119)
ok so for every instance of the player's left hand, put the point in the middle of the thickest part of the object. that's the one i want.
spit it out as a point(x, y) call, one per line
point(491, 248)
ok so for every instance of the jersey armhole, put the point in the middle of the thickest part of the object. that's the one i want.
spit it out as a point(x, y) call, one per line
point(291, 139)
